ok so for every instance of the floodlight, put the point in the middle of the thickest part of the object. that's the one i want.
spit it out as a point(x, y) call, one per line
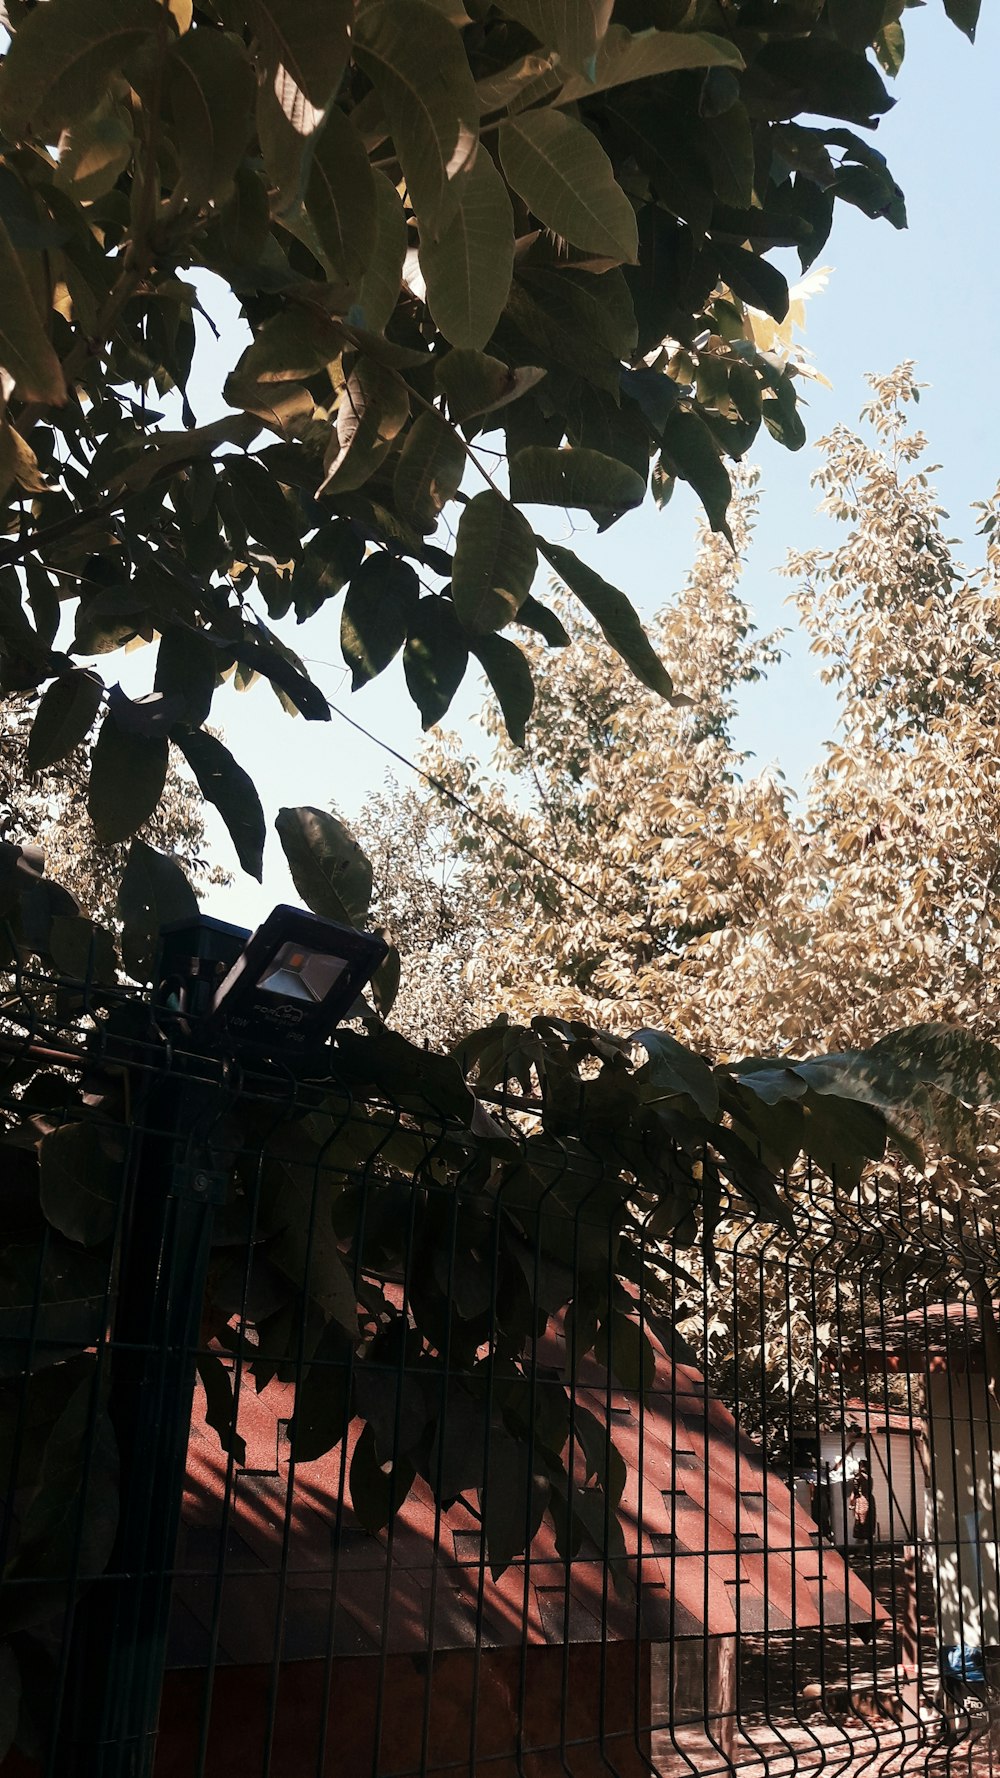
point(281, 989)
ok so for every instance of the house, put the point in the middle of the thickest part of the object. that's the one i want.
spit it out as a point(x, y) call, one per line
point(352, 1653)
point(942, 1345)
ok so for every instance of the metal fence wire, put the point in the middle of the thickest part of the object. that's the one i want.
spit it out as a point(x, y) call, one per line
point(335, 1441)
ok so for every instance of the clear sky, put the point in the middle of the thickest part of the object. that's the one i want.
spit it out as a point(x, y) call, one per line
point(929, 294)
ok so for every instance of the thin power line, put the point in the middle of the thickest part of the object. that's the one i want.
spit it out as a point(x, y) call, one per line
point(476, 814)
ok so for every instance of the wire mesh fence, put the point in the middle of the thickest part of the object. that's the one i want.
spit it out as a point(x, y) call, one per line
point(346, 1432)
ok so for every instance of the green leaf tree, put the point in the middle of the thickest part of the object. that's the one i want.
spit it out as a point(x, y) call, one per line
point(540, 223)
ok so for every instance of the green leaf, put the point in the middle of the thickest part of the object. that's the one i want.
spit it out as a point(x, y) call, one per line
point(469, 266)
point(624, 57)
point(64, 718)
point(377, 1493)
point(564, 176)
point(435, 657)
point(601, 485)
point(624, 1349)
point(153, 892)
point(512, 1501)
point(510, 676)
point(476, 384)
point(964, 14)
point(614, 614)
point(494, 565)
point(727, 141)
point(210, 90)
point(385, 981)
point(672, 1068)
point(220, 1404)
point(268, 516)
point(575, 31)
point(340, 197)
point(326, 565)
point(329, 869)
point(79, 1186)
point(323, 1397)
point(95, 151)
point(429, 471)
point(26, 352)
point(380, 604)
point(187, 666)
point(308, 39)
point(753, 279)
point(62, 58)
point(127, 775)
point(690, 451)
point(377, 294)
point(226, 785)
point(69, 1524)
point(373, 410)
point(82, 950)
point(290, 346)
point(418, 66)
point(536, 616)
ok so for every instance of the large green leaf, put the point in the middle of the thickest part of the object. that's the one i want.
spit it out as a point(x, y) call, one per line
point(63, 56)
point(601, 485)
point(231, 789)
point(64, 718)
point(380, 603)
point(429, 471)
point(574, 30)
point(373, 410)
point(69, 1524)
point(477, 384)
point(964, 14)
point(308, 39)
point(210, 88)
point(615, 615)
point(494, 565)
point(329, 869)
point(79, 1185)
point(94, 151)
point(378, 292)
point(340, 197)
point(127, 775)
point(26, 351)
point(624, 57)
point(510, 676)
point(690, 451)
point(564, 176)
point(468, 268)
point(435, 657)
point(152, 893)
point(420, 71)
point(220, 1404)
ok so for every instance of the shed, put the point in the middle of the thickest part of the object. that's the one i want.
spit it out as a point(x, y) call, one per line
point(943, 1343)
point(892, 1441)
point(401, 1651)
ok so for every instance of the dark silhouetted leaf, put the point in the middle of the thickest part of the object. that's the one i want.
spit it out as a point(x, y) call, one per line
point(231, 789)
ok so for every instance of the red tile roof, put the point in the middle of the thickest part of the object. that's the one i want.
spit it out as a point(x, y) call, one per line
point(714, 1541)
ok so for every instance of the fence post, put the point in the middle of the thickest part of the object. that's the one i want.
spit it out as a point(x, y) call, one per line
point(119, 1644)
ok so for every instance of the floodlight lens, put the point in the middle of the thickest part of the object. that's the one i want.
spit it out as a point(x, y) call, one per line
point(296, 974)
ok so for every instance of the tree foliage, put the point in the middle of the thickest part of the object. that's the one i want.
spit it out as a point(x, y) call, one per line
point(45, 805)
point(551, 223)
point(672, 885)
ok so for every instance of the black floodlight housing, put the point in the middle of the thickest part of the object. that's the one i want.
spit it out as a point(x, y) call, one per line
point(281, 990)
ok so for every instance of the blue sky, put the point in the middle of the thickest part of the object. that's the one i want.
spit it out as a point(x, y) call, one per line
point(929, 294)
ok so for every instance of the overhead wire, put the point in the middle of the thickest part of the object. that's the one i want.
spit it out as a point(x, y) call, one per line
point(468, 808)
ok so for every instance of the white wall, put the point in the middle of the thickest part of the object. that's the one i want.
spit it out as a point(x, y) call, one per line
point(898, 1481)
point(962, 1516)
